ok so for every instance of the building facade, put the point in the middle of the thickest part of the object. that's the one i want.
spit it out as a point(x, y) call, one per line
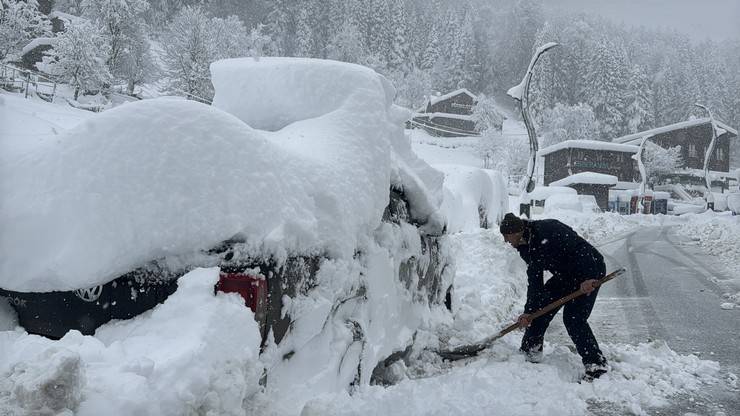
point(577, 156)
point(448, 115)
point(694, 137)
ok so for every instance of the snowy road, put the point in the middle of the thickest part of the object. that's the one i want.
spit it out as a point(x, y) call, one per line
point(670, 293)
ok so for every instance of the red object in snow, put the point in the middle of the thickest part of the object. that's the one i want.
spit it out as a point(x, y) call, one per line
point(252, 288)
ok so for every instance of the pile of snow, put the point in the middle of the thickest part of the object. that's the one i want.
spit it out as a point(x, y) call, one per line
point(719, 235)
point(590, 178)
point(642, 377)
point(166, 177)
point(541, 193)
point(197, 353)
point(472, 197)
point(603, 227)
point(578, 203)
point(446, 150)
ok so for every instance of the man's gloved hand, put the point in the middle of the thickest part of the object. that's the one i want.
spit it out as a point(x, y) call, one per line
point(589, 285)
point(524, 320)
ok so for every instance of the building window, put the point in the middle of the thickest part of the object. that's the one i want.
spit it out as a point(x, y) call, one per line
point(692, 150)
point(720, 154)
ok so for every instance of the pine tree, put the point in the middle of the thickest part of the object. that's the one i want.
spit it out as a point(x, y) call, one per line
point(399, 58)
point(605, 84)
point(280, 26)
point(639, 110)
point(78, 58)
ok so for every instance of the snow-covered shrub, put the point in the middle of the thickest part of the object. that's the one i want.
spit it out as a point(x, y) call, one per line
point(660, 161)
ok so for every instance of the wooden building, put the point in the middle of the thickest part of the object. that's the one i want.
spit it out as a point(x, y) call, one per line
point(448, 115)
point(693, 136)
point(571, 157)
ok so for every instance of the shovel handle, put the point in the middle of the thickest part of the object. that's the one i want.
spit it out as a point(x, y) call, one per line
point(560, 302)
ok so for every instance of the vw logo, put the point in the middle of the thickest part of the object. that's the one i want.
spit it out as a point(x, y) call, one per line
point(90, 294)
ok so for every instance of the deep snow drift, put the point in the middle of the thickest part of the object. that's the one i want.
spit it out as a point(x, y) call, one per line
point(168, 177)
point(195, 354)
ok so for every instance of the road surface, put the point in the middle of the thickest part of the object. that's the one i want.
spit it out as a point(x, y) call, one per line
point(671, 292)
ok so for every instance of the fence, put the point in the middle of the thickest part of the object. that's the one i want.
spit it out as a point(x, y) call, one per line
point(27, 81)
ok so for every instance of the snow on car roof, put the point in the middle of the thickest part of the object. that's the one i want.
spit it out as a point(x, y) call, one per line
point(588, 144)
point(586, 178)
point(636, 137)
point(163, 177)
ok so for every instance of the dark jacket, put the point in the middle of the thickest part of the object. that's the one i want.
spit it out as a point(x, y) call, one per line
point(553, 246)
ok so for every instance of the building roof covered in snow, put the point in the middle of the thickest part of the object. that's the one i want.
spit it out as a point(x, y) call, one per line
point(588, 144)
point(435, 99)
point(636, 137)
point(590, 178)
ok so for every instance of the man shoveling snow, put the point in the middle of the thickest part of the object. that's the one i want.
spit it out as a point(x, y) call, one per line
point(575, 264)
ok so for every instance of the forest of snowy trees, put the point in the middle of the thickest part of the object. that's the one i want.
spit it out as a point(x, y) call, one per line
point(615, 79)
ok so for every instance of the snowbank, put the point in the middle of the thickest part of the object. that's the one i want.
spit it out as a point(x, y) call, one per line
point(719, 235)
point(334, 113)
point(162, 178)
point(194, 354)
point(473, 197)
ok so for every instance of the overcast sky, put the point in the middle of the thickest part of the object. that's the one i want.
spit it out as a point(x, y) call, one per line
point(701, 19)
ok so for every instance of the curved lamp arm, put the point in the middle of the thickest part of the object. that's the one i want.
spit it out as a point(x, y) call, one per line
point(521, 93)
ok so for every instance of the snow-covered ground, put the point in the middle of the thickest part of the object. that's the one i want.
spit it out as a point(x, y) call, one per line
point(185, 356)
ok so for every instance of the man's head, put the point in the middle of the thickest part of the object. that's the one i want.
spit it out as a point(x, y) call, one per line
point(512, 228)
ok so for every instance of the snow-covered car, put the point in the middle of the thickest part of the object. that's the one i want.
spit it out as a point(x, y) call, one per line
point(298, 178)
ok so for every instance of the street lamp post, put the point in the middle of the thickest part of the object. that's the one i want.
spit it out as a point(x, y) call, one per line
point(643, 173)
point(708, 197)
point(521, 93)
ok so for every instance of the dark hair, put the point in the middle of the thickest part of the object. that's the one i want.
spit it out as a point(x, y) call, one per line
point(511, 224)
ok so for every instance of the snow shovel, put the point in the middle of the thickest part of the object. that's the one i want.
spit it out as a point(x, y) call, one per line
point(467, 351)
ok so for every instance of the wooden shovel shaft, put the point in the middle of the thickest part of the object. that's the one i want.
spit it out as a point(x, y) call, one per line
point(475, 348)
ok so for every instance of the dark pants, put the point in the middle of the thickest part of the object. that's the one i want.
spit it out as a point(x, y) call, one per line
point(575, 318)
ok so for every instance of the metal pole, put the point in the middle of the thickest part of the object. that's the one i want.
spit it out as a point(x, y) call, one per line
point(708, 197)
point(643, 172)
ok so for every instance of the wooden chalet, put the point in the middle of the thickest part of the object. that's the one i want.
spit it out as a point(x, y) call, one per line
point(693, 136)
point(448, 115)
point(571, 157)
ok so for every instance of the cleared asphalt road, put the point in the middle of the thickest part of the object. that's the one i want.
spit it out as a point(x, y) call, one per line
point(670, 292)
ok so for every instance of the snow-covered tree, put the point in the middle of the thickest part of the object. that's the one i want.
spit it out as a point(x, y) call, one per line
point(188, 55)
point(412, 88)
point(20, 21)
point(193, 41)
point(129, 58)
point(346, 45)
point(606, 86)
point(566, 122)
point(507, 154)
point(486, 115)
point(659, 161)
point(135, 64)
point(78, 58)
point(228, 38)
point(639, 110)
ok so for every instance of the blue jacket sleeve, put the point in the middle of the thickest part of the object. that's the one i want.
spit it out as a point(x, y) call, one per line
point(535, 287)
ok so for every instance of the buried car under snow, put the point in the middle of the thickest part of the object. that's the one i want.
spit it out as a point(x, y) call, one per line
point(297, 181)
